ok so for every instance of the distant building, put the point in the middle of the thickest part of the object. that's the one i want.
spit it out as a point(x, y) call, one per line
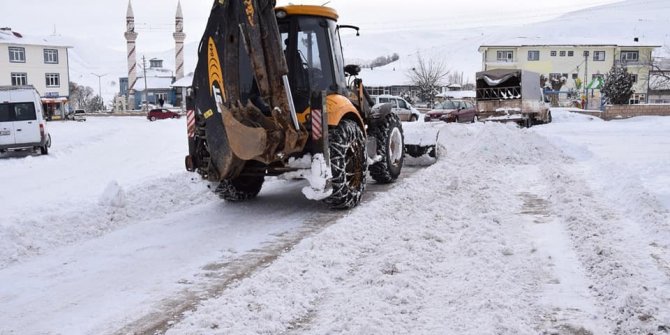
point(40, 62)
point(158, 86)
point(579, 64)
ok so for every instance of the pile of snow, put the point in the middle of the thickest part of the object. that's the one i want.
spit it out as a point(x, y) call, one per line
point(99, 176)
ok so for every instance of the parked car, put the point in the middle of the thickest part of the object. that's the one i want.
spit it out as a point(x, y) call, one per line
point(161, 113)
point(76, 115)
point(22, 123)
point(452, 111)
point(400, 106)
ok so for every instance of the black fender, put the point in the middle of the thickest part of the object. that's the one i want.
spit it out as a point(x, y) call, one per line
point(378, 114)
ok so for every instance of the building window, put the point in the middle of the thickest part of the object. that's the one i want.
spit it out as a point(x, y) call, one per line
point(505, 56)
point(575, 75)
point(553, 53)
point(533, 55)
point(562, 53)
point(599, 56)
point(634, 76)
point(17, 55)
point(19, 79)
point(571, 53)
point(630, 56)
point(53, 79)
point(50, 56)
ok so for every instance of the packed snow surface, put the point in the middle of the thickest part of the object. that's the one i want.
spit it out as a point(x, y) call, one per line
point(558, 229)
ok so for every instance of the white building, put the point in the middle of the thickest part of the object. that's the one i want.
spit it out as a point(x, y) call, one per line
point(40, 62)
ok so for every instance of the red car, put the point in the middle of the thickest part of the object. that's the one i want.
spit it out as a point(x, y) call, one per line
point(161, 113)
point(453, 111)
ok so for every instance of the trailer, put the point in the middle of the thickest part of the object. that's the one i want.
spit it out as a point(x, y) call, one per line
point(511, 95)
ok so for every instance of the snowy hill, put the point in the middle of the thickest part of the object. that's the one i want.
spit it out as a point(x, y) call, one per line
point(614, 23)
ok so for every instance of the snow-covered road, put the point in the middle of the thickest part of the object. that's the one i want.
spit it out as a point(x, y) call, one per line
point(558, 229)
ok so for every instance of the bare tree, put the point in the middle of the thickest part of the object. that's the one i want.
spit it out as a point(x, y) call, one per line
point(428, 76)
point(455, 78)
point(80, 96)
point(659, 77)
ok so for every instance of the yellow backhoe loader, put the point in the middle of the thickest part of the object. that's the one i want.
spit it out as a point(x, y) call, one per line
point(272, 96)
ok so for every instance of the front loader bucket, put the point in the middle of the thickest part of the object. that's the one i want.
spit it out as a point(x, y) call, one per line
point(238, 93)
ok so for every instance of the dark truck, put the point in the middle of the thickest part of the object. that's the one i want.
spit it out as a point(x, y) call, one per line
point(511, 96)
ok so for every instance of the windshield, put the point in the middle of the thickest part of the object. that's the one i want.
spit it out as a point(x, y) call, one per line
point(446, 105)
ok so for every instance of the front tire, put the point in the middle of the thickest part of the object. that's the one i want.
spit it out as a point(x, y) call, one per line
point(348, 165)
point(241, 188)
point(153, 118)
point(390, 146)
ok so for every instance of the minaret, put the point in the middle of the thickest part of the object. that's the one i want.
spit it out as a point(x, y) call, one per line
point(131, 37)
point(179, 38)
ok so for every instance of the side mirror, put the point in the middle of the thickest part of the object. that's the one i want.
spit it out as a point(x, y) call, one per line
point(352, 69)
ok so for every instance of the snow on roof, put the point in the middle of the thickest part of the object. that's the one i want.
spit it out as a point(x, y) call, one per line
point(187, 81)
point(565, 41)
point(154, 83)
point(458, 94)
point(8, 36)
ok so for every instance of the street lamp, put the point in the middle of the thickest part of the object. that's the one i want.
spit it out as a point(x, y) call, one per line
point(102, 101)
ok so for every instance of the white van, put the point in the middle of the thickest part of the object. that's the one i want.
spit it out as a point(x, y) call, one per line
point(401, 107)
point(22, 124)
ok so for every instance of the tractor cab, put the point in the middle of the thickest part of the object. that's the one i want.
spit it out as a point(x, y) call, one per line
point(313, 51)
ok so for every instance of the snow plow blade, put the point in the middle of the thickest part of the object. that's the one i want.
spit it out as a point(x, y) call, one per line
point(421, 146)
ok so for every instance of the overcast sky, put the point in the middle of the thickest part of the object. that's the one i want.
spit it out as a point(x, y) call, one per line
point(104, 20)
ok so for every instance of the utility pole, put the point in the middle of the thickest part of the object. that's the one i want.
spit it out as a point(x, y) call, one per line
point(586, 78)
point(144, 68)
point(102, 101)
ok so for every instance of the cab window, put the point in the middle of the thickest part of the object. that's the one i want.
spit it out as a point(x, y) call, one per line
point(402, 104)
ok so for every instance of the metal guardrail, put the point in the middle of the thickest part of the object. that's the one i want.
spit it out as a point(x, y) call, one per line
point(499, 93)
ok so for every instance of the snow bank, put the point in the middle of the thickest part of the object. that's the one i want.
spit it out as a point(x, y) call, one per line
point(99, 176)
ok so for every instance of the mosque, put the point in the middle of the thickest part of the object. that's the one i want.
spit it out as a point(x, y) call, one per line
point(153, 83)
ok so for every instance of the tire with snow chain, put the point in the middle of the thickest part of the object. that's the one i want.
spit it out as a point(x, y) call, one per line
point(240, 188)
point(348, 164)
point(390, 146)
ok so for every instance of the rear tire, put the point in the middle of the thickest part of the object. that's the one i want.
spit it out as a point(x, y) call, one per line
point(413, 118)
point(45, 149)
point(348, 164)
point(153, 118)
point(390, 146)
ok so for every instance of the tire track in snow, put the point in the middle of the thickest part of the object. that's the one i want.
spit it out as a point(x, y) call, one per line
point(626, 282)
point(225, 275)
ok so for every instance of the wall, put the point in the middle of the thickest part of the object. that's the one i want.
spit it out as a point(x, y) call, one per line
point(613, 112)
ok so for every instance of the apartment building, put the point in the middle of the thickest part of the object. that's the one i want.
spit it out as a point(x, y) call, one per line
point(40, 62)
point(578, 63)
